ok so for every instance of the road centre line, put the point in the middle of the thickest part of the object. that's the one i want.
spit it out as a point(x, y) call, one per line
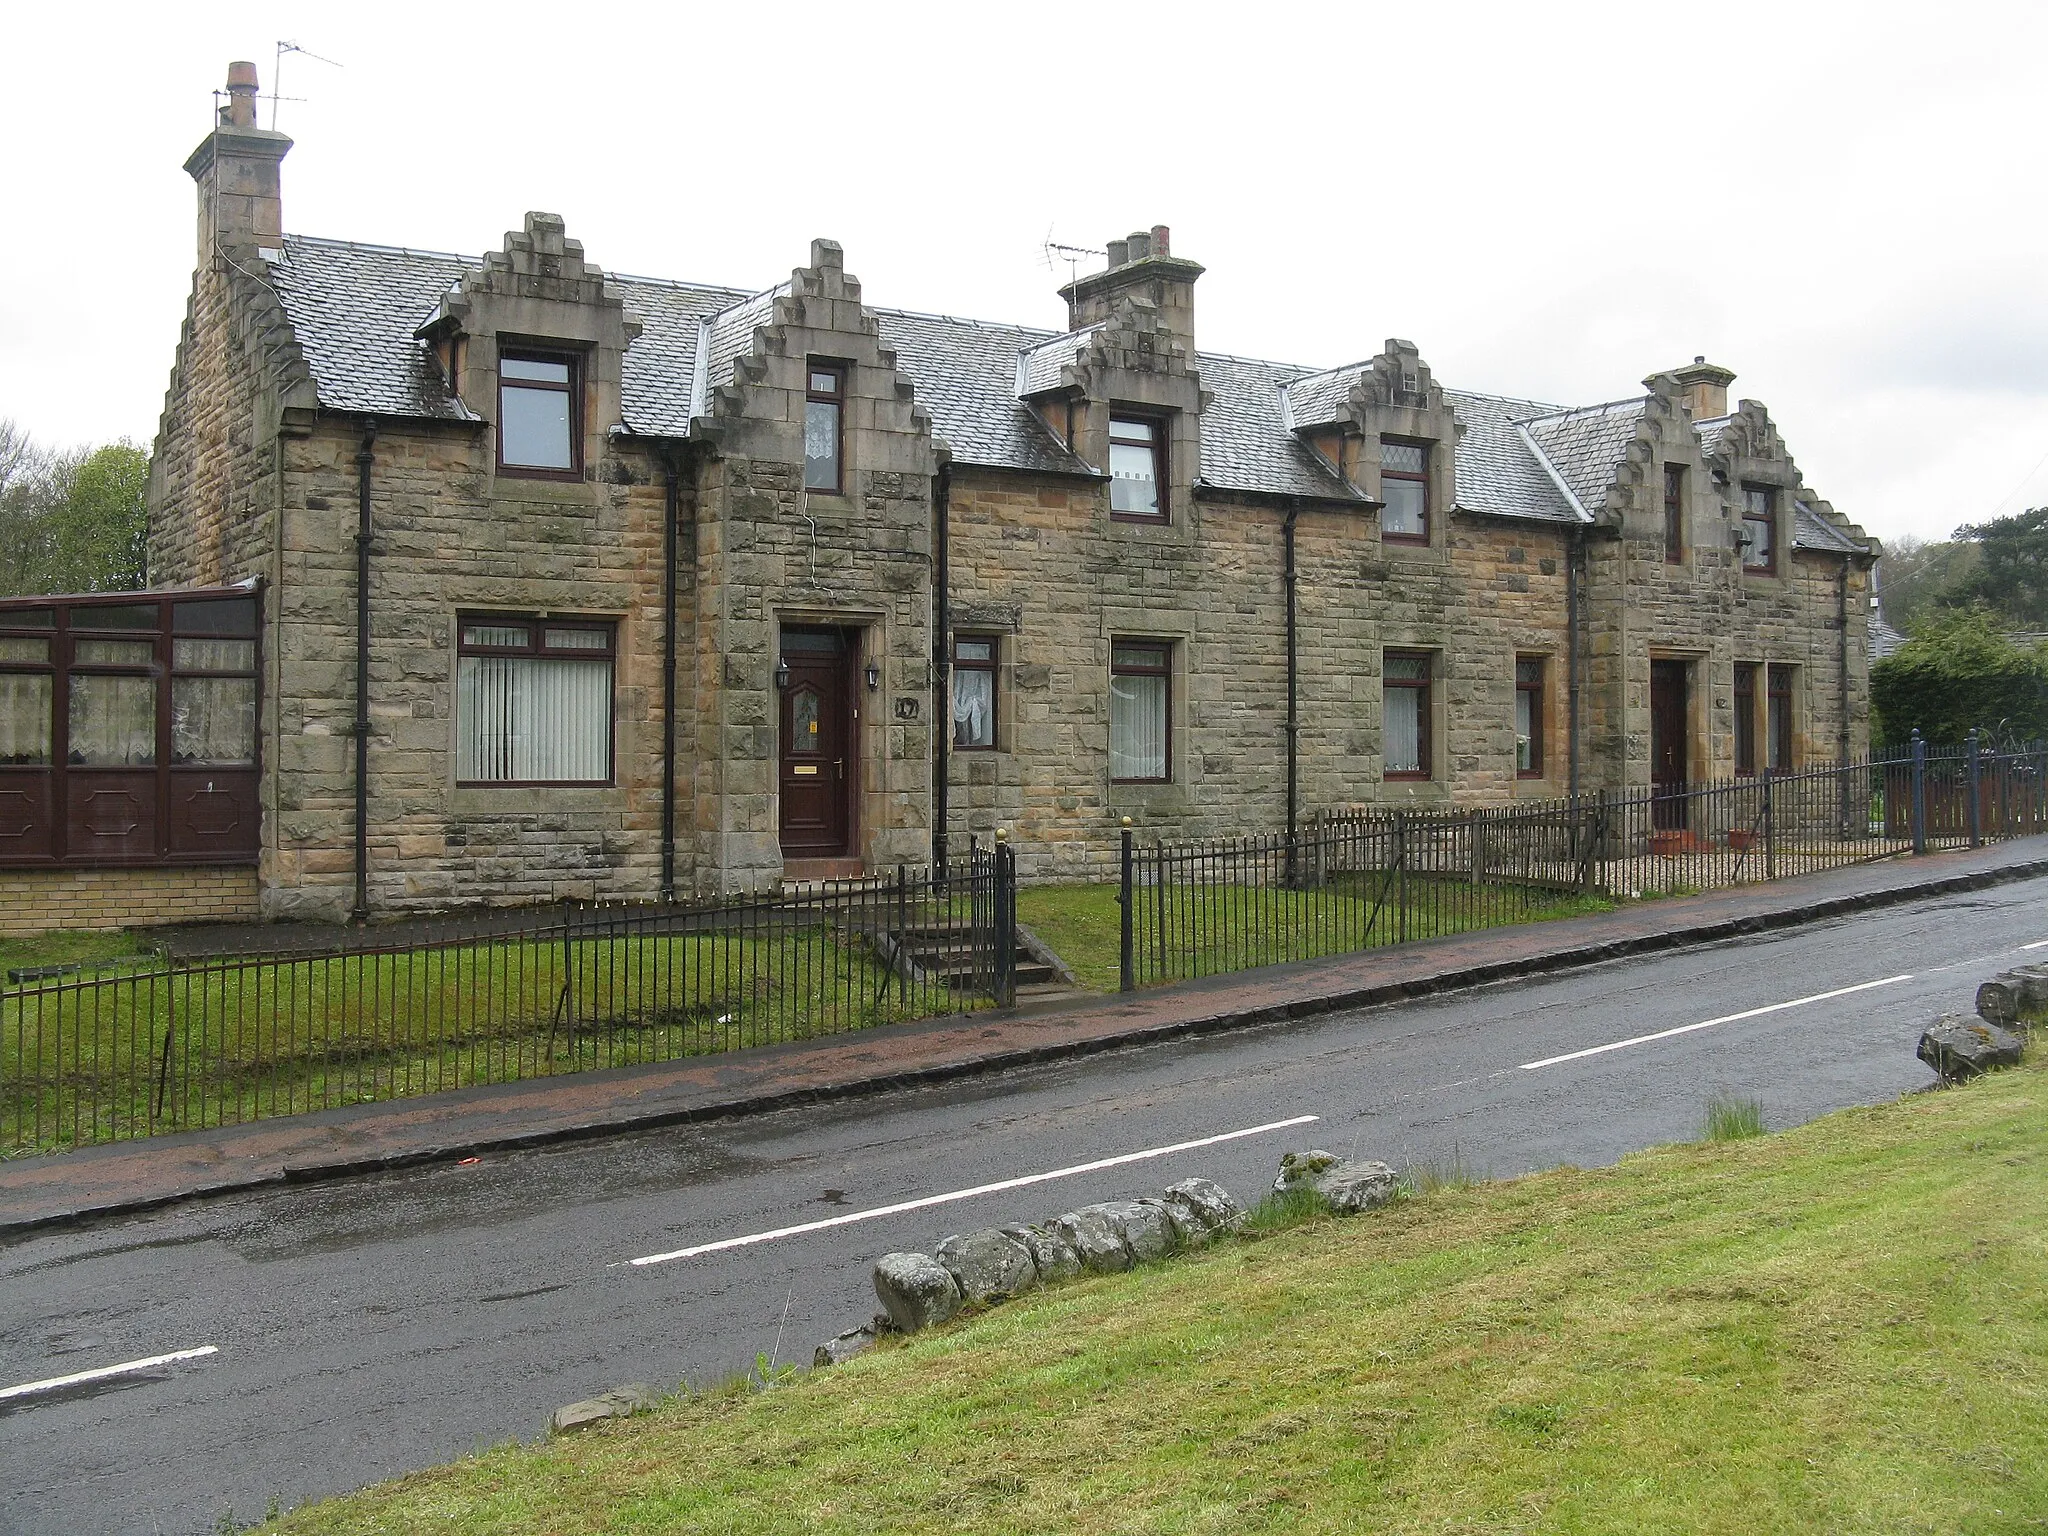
point(2037, 944)
point(950, 1196)
point(1726, 1018)
point(126, 1368)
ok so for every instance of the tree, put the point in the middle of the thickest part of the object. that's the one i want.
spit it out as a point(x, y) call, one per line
point(70, 522)
point(2011, 576)
point(1962, 672)
point(1921, 578)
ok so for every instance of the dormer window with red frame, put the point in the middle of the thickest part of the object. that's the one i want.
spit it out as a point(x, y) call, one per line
point(1760, 530)
point(825, 428)
point(1404, 487)
point(539, 419)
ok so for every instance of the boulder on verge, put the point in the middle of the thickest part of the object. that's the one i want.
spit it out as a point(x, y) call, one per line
point(1960, 1048)
point(2010, 994)
point(1095, 1237)
point(1348, 1186)
point(915, 1290)
point(837, 1351)
point(1147, 1226)
point(988, 1265)
point(1053, 1256)
point(619, 1403)
point(1201, 1208)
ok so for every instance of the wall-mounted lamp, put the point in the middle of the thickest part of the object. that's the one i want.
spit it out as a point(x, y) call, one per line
point(781, 672)
point(874, 677)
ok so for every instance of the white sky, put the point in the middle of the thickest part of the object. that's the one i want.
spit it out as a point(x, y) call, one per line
point(1843, 203)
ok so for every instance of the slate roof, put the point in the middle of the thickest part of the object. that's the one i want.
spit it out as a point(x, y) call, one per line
point(355, 309)
point(1884, 640)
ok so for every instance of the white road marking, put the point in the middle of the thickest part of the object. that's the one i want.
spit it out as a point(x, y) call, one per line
point(126, 1368)
point(2037, 944)
point(1726, 1018)
point(968, 1194)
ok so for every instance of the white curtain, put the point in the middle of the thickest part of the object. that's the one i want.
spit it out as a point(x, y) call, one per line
point(1137, 727)
point(113, 720)
point(1403, 730)
point(533, 719)
point(213, 719)
point(974, 705)
point(25, 724)
point(1525, 729)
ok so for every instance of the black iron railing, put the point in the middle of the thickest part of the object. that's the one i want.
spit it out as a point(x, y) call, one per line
point(181, 1045)
point(1368, 877)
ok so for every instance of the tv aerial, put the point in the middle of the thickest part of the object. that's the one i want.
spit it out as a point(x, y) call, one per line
point(277, 75)
point(1055, 253)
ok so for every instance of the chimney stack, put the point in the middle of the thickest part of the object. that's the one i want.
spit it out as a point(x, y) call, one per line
point(1706, 388)
point(1142, 265)
point(241, 207)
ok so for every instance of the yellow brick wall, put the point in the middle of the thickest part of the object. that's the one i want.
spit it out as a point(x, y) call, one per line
point(40, 900)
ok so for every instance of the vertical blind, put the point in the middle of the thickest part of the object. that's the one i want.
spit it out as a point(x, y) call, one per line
point(524, 719)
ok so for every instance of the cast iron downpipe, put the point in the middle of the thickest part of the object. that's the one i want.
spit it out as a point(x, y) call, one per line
point(1293, 684)
point(1573, 551)
point(1842, 621)
point(365, 457)
point(942, 657)
point(671, 510)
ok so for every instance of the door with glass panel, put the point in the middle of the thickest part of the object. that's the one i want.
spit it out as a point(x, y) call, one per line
point(817, 767)
point(1670, 706)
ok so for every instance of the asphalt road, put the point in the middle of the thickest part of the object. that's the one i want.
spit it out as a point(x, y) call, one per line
point(368, 1327)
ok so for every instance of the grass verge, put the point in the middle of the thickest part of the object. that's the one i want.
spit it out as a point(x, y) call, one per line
point(1838, 1328)
point(1209, 930)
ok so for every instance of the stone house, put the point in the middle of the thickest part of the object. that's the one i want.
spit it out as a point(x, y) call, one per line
point(576, 584)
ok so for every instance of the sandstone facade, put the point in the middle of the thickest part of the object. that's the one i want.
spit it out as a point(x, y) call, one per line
point(309, 369)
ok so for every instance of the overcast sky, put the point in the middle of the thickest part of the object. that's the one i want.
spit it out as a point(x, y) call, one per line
point(1843, 204)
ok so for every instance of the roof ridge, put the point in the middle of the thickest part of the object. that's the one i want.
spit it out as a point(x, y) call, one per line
point(1541, 407)
point(385, 250)
point(1565, 413)
point(979, 325)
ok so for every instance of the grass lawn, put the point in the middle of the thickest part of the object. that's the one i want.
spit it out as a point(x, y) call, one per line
point(68, 948)
point(85, 1059)
point(1212, 929)
point(1842, 1328)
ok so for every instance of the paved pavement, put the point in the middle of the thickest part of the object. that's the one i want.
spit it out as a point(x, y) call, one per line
point(132, 1176)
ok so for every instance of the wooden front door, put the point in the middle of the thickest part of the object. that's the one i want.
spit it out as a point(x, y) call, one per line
point(1669, 707)
point(818, 763)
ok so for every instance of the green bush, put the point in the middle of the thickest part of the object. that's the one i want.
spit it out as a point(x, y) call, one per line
point(1961, 673)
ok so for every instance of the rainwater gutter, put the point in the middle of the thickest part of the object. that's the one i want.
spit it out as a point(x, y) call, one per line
point(365, 458)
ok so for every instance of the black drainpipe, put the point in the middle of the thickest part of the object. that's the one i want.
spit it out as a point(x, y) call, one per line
point(1573, 550)
point(671, 511)
point(1842, 620)
point(1293, 682)
point(365, 457)
point(942, 657)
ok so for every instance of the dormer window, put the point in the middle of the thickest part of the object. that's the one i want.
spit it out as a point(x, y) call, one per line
point(1137, 464)
point(537, 426)
point(825, 429)
point(1404, 487)
point(1760, 529)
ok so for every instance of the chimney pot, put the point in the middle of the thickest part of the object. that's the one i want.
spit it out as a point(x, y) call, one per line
point(1162, 242)
point(1140, 244)
point(241, 109)
point(1119, 252)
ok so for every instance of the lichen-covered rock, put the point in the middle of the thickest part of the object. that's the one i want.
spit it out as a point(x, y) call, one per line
point(1147, 1227)
point(1053, 1255)
point(1092, 1234)
point(619, 1403)
point(1351, 1187)
point(915, 1290)
point(1299, 1168)
point(2010, 996)
point(988, 1265)
point(1201, 1209)
point(1348, 1186)
point(837, 1351)
point(1960, 1048)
